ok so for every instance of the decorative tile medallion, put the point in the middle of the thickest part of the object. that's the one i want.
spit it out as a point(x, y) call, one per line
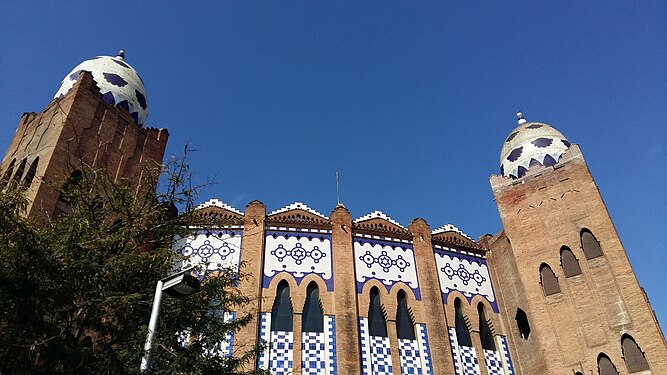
point(299, 254)
point(467, 274)
point(215, 249)
point(385, 261)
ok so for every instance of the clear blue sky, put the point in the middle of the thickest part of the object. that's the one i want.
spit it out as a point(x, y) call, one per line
point(410, 101)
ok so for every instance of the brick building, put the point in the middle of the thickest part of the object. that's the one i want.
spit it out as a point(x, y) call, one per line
point(552, 293)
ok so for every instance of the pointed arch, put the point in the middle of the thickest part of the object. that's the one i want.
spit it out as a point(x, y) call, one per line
point(30, 175)
point(634, 358)
point(376, 320)
point(313, 318)
point(590, 244)
point(569, 262)
point(522, 323)
point(605, 366)
point(405, 327)
point(20, 170)
point(462, 325)
point(486, 334)
point(281, 313)
point(548, 280)
point(8, 171)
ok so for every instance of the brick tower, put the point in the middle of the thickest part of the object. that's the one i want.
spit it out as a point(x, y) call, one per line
point(96, 120)
point(567, 292)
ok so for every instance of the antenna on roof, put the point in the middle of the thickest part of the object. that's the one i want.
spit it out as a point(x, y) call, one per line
point(338, 191)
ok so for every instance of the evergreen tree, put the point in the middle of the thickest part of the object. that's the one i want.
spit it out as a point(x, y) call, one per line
point(76, 290)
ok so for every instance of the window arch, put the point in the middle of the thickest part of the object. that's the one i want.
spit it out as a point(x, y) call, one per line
point(522, 323)
point(590, 245)
point(633, 355)
point(605, 366)
point(20, 170)
point(30, 175)
point(549, 280)
point(461, 324)
point(376, 320)
point(405, 328)
point(9, 171)
point(281, 314)
point(486, 334)
point(313, 319)
point(569, 263)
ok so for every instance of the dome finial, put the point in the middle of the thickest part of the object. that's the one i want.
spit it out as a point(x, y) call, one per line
point(519, 115)
point(121, 54)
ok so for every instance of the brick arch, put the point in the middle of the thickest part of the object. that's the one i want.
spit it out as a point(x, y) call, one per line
point(490, 314)
point(269, 293)
point(569, 262)
point(548, 280)
point(364, 297)
point(413, 304)
point(633, 356)
point(590, 244)
point(326, 297)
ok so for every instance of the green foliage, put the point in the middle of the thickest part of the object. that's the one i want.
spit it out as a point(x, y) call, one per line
point(76, 290)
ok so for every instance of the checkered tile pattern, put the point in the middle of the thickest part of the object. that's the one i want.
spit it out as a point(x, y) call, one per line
point(264, 336)
point(494, 363)
point(424, 349)
point(227, 345)
point(364, 344)
point(465, 358)
point(330, 337)
point(380, 355)
point(281, 353)
point(505, 354)
point(313, 353)
point(408, 352)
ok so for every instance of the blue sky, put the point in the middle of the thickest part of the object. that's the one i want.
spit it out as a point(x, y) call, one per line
point(410, 101)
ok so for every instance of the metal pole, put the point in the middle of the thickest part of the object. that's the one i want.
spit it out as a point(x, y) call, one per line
point(152, 325)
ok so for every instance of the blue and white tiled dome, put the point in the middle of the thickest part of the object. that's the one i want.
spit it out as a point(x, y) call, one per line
point(119, 84)
point(530, 144)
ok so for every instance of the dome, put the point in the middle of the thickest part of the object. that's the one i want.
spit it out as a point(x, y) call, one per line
point(119, 84)
point(531, 143)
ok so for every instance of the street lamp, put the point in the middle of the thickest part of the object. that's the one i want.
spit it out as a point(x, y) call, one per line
point(179, 285)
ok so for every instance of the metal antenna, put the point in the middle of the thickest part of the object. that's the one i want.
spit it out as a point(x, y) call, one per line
point(337, 189)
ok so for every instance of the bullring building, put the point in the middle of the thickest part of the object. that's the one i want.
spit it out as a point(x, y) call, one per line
point(552, 293)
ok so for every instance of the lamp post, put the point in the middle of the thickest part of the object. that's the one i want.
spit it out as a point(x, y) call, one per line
point(179, 285)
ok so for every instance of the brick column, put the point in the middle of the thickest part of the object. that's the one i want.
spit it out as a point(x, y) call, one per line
point(297, 332)
point(252, 252)
point(345, 292)
point(432, 305)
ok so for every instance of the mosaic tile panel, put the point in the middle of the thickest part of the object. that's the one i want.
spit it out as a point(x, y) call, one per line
point(281, 353)
point(494, 363)
point(299, 254)
point(424, 349)
point(467, 274)
point(218, 249)
point(264, 336)
point(224, 348)
point(365, 346)
point(330, 336)
point(313, 353)
point(409, 356)
point(465, 358)
point(388, 262)
point(505, 354)
point(380, 355)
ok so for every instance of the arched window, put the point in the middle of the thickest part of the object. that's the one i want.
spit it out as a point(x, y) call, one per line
point(590, 245)
point(376, 321)
point(313, 319)
point(405, 328)
point(281, 314)
point(569, 262)
point(634, 358)
point(8, 171)
point(522, 323)
point(486, 334)
point(605, 367)
point(20, 170)
point(30, 175)
point(549, 280)
point(461, 324)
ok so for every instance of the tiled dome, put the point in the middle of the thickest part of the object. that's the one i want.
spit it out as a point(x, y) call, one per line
point(119, 84)
point(531, 143)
